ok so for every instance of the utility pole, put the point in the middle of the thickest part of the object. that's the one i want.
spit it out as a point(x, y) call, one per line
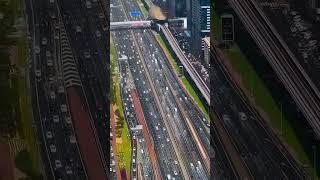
point(281, 118)
point(314, 147)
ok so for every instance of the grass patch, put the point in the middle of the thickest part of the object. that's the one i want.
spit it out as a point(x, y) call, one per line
point(23, 163)
point(264, 100)
point(143, 8)
point(124, 150)
point(215, 25)
point(190, 89)
point(25, 127)
point(123, 147)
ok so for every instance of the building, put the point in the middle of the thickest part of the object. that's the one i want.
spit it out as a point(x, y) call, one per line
point(205, 17)
point(206, 50)
point(313, 4)
point(173, 8)
point(199, 23)
point(227, 28)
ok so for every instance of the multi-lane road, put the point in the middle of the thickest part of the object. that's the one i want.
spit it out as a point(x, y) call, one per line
point(261, 152)
point(67, 67)
point(179, 130)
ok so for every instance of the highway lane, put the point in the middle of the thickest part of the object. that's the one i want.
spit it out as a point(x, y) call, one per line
point(179, 116)
point(90, 51)
point(32, 31)
point(150, 112)
point(164, 150)
point(143, 158)
point(221, 164)
point(193, 110)
point(258, 146)
point(175, 117)
point(59, 150)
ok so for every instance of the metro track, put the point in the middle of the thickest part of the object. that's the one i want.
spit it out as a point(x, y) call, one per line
point(297, 82)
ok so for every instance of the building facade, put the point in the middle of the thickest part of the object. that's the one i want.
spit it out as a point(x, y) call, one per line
point(206, 51)
point(199, 23)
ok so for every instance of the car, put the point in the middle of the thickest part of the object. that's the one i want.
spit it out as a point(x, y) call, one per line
point(88, 4)
point(44, 41)
point(48, 53)
point(78, 29)
point(49, 63)
point(72, 139)
point(175, 162)
point(243, 116)
point(61, 89)
point(52, 95)
point(68, 119)
point(37, 49)
point(98, 34)
point(87, 55)
point(49, 134)
point(68, 170)
point(38, 73)
point(63, 108)
point(101, 16)
point(175, 173)
point(55, 118)
point(58, 163)
point(53, 148)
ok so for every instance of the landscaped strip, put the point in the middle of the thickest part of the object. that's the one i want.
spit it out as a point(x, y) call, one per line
point(123, 142)
point(264, 100)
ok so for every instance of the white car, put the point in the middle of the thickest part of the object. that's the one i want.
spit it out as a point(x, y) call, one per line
point(49, 134)
point(56, 118)
point(52, 95)
point(63, 108)
point(72, 139)
point(38, 73)
point(68, 170)
point(68, 119)
point(61, 89)
point(37, 49)
point(44, 41)
point(78, 29)
point(53, 148)
point(58, 163)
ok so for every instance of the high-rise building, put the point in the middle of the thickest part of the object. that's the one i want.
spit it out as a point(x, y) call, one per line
point(206, 50)
point(199, 23)
point(313, 4)
point(205, 17)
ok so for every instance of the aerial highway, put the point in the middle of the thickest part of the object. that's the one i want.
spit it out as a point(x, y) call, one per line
point(60, 151)
point(70, 112)
point(162, 97)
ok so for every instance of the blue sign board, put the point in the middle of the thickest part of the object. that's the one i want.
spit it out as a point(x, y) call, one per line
point(135, 13)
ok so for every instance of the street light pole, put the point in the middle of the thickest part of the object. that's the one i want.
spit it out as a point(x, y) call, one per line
point(281, 118)
point(314, 147)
